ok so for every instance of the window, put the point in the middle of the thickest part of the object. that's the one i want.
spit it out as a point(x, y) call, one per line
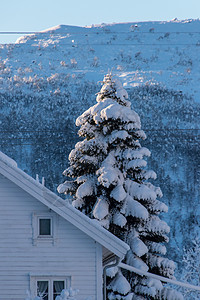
point(43, 289)
point(58, 286)
point(48, 287)
point(44, 227)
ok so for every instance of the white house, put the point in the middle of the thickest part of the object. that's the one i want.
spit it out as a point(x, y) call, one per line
point(46, 244)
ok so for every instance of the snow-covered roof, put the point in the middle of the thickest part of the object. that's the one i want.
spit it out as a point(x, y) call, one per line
point(9, 169)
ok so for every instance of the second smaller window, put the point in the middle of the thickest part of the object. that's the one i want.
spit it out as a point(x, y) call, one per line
point(45, 227)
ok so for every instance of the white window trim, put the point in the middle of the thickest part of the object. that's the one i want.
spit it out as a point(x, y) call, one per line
point(34, 277)
point(36, 216)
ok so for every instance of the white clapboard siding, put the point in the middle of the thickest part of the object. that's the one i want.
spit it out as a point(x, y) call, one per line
point(72, 252)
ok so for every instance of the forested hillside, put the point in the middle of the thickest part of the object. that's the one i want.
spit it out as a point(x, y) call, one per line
point(48, 79)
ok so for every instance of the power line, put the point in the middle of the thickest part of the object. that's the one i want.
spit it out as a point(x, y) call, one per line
point(21, 140)
point(99, 32)
point(75, 71)
point(115, 44)
point(61, 143)
point(61, 138)
point(65, 131)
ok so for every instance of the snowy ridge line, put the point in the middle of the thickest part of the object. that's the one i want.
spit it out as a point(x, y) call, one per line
point(161, 278)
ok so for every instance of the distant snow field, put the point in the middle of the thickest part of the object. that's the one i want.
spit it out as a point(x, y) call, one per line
point(150, 53)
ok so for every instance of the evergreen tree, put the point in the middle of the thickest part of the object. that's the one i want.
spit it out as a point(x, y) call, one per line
point(109, 182)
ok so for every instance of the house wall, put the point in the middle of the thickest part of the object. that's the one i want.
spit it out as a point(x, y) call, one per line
point(72, 253)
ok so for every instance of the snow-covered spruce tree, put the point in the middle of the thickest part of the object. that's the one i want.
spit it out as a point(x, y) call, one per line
point(109, 182)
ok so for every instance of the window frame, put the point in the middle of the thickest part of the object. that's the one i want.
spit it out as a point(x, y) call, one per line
point(34, 278)
point(37, 238)
point(43, 279)
point(52, 285)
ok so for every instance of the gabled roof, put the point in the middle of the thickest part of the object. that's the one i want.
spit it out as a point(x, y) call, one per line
point(9, 169)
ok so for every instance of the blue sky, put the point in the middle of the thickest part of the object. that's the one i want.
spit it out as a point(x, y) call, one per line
point(36, 15)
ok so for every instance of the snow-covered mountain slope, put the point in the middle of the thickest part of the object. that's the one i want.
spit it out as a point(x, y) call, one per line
point(144, 53)
point(49, 78)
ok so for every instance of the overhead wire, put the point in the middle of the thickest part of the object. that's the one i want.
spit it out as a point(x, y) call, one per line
point(11, 141)
point(74, 45)
point(65, 131)
point(104, 31)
